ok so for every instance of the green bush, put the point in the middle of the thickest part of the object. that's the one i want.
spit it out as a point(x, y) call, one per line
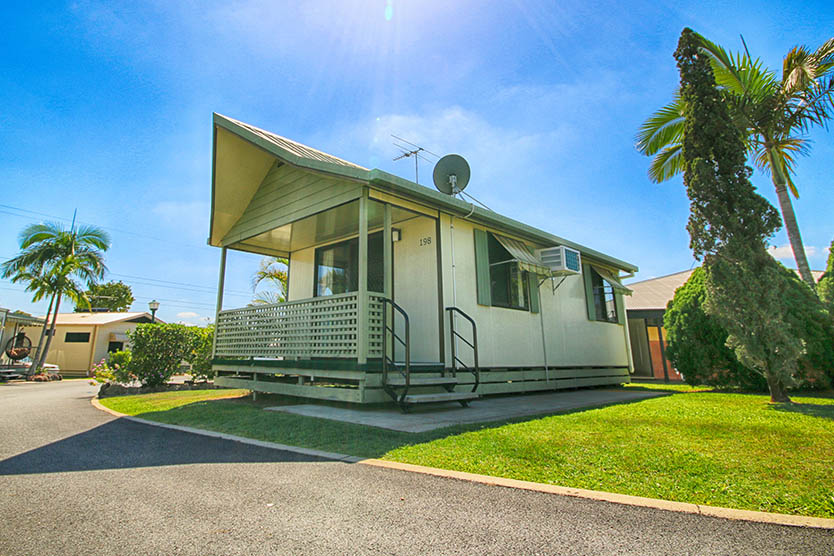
point(157, 351)
point(200, 354)
point(697, 343)
point(102, 373)
point(119, 364)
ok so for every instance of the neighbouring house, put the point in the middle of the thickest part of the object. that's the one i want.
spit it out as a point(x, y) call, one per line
point(646, 308)
point(83, 339)
point(12, 323)
point(492, 305)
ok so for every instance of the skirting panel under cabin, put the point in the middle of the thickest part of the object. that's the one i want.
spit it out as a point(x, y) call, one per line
point(365, 387)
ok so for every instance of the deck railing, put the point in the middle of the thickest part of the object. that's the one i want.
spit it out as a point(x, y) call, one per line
point(310, 328)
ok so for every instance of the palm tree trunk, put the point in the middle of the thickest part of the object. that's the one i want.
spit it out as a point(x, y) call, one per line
point(780, 182)
point(38, 350)
point(792, 228)
point(51, 332)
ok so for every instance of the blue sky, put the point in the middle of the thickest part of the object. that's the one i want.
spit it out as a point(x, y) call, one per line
point(106, 107)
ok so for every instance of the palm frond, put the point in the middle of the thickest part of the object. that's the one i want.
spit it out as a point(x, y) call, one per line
point(661, 128)
point(667, 163)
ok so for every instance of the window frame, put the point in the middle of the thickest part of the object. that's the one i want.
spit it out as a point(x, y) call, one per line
point(523, 277)
point(347, 242)
point(67, 339)
point(601, 289)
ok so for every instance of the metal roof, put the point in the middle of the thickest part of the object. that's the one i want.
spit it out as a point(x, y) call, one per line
point(655, 293)
point(288, 145)
point(67, 319)
point(20, 318)
point(303, 156)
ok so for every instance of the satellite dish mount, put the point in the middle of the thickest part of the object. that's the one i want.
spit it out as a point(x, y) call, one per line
point(451, 174)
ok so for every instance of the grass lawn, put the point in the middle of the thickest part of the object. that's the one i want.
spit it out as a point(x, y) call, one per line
point(703, 447)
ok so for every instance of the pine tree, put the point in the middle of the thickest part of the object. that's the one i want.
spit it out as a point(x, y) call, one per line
point(729, 225)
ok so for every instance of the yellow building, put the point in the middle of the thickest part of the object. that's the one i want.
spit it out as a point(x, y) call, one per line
point(83, 339)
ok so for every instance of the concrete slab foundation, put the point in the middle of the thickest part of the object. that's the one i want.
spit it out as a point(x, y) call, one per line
point(422, 419)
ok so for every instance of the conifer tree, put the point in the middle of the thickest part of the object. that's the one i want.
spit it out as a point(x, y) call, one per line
point(729, 225)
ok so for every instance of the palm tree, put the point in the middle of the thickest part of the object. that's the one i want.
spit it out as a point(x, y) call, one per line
point(272, 271)
point(773, 114)
point(52, 261)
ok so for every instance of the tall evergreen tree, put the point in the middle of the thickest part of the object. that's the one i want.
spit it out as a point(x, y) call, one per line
point(772, 113)
point(825, 287)
point(729, 225)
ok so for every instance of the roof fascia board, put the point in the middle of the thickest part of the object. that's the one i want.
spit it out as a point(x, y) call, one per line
point(399, 185)
point(287, 156)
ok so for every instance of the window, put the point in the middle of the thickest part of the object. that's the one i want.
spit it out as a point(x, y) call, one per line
point(115, 346)
point(337, 267)
point(509, 285)
point(77, 337)
point(604, 298)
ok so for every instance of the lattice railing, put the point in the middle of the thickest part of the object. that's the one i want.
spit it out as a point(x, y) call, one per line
point(317, 327)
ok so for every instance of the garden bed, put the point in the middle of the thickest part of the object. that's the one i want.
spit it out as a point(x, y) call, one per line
point(111, 389)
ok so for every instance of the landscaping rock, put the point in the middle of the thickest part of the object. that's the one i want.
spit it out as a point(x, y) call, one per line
point(110, 389)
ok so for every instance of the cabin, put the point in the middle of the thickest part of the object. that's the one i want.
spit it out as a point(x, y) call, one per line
point(83, 339)
point(399, 292)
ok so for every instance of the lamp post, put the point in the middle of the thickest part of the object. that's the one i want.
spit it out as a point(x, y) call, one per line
point(153, 306)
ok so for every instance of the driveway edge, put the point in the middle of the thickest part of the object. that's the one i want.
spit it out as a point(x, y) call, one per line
point(655, 503)
point(234, 438)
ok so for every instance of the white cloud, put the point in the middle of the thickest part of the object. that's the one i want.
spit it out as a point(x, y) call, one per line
point(784, 252)
point(187, 315)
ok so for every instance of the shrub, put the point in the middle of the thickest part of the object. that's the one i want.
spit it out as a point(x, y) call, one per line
point(200, 354)
point(698, 344)
point(119, 364)
point(157, 351)
point(102, 373)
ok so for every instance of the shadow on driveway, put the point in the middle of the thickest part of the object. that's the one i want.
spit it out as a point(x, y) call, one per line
point(122, 444)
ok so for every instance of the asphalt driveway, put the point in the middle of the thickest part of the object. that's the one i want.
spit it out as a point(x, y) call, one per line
point(74, 480)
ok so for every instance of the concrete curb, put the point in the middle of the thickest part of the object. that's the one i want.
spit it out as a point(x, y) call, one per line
point(668, 505)
point(683, 507)
point(234, 438)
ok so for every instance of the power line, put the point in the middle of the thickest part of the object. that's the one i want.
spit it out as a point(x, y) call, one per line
point(64, 219)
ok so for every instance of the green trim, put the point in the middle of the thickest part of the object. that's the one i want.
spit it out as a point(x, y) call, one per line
point(482, 267)
point(533, 285)
point(621, 311)
point(373, 365)
point(287, 156)
point(589, 292)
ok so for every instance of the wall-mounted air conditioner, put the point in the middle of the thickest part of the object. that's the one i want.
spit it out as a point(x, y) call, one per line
point(561, 260)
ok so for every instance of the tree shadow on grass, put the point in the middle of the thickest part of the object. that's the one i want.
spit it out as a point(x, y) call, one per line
point(811, 409)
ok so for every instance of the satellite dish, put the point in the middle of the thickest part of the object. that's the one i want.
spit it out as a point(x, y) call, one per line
point(451, 174)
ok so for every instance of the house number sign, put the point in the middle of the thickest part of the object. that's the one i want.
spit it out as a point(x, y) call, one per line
point(425, 241)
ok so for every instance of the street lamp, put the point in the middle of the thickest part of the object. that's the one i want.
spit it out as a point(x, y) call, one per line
point(153, 306)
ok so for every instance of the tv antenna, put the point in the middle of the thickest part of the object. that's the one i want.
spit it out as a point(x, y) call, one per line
point(409, 149)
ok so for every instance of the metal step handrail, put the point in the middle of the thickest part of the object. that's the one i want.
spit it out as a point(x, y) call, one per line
point(389, 361)
point(476, 370)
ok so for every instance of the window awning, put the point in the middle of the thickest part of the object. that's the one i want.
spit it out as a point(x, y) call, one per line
point(522, 255)
point(612, 279)
point(118, 337)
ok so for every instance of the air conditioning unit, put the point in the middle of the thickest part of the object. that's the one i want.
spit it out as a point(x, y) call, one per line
point(561, 260)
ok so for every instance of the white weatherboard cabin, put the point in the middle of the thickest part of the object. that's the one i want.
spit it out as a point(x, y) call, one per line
point(398, 291)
